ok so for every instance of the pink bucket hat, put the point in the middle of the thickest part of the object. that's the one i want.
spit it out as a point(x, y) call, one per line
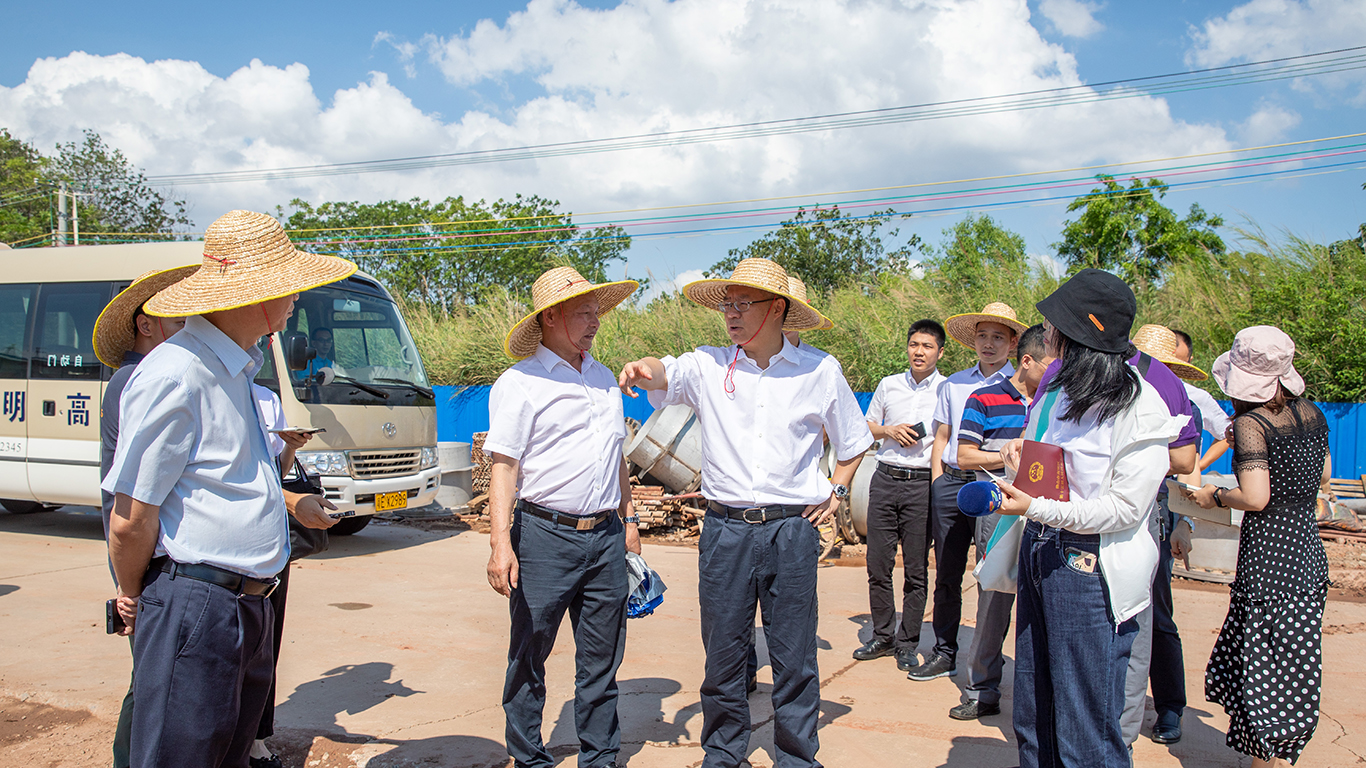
point(1262, 356)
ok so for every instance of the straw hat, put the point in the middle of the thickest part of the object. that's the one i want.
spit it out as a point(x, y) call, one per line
point(1261, 358)
point(114, 331)
point(963, 328)
point(1159, 342)
point(248, 259)
point(765, 275)
point(557, 286)
point(797, 288)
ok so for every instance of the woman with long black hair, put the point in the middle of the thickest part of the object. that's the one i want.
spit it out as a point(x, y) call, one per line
point(1085, 565)
point(1267, 663)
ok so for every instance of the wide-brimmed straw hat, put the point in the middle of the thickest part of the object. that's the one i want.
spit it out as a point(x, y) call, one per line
point(963, 328)
point(797, 288)
point(557, 286)
point(766, 275)
point(248, 259)
point(114, 332)
point(1159, 342)
point(1262, 358)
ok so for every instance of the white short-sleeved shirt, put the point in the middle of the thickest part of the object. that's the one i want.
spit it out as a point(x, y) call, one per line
point(564, 428)
point(761, 444)
point(272, 415)
point(192, 443)
point(899, 399)
point(1212, 418)
point(953, 395)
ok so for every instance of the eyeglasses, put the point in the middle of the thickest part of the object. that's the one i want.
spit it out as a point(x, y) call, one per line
point(739, 306)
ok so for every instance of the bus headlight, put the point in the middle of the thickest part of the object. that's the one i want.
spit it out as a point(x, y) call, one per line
point(428, 457)
point(324, 462)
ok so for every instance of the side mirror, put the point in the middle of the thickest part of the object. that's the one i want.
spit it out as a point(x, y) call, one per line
point(297, 351)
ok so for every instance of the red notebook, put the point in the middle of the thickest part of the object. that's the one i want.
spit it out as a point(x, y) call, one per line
point(1043, 473)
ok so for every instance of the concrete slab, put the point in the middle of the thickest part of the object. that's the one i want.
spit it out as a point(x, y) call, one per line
point(395, 648)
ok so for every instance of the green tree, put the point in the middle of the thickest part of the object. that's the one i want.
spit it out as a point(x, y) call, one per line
point(1130, 232)
point(974, 250)
point(827, 249)
point(24, 202)
point(450, 253)
point(114, 194)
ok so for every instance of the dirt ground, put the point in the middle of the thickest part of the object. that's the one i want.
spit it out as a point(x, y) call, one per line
point(395, 647)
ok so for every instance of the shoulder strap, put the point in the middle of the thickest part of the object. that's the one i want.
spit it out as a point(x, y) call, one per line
point(1145, 361)
point(1045, 413)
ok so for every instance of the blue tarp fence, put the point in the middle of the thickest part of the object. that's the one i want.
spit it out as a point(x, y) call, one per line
point(462, 411)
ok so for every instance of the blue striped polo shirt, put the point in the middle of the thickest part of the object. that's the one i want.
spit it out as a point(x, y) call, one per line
point(993, 416)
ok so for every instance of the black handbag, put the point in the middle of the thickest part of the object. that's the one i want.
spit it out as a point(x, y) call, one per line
point(303, 541)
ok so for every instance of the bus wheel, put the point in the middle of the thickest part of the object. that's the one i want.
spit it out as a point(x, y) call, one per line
point(18, 507)
point(349, 525)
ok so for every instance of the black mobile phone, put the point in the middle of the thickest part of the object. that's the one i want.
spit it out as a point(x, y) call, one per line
point(113, 620)
point(919, 430)
point(340, 515)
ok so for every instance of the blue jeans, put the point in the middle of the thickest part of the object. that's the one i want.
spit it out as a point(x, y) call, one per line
point(1070, 662)
point(582, 573)
point(773, 564)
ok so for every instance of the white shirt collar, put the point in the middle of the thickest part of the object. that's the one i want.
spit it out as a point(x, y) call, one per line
point(1005, 371)
point(928, 381)
point(787, 352)
point(548, 358)
point(234, 358)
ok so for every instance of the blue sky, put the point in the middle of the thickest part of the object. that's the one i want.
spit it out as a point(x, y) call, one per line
point(188, 87)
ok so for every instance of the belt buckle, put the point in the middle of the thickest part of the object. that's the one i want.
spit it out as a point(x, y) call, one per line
point(585, 523)
point(745, 516)
point(274, 583)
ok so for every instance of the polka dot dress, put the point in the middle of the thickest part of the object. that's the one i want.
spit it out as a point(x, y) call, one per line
point(1266, 665)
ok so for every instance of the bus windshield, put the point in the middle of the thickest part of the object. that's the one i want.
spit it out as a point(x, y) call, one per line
point(357, 331)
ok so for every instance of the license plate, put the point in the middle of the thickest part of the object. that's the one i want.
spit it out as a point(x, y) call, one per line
point(392, 500)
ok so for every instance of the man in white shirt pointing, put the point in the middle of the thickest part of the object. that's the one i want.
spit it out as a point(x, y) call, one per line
point(762, 405)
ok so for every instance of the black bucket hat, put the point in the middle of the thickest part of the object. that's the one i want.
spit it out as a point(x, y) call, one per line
point(1094, 309)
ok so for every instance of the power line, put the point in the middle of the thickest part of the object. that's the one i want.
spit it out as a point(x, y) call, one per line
point(1269, 70)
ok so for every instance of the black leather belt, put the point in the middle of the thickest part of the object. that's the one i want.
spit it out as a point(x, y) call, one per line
point(577, 522)
point(903, 473)
point(959, 474)
point(232, 581)
point(757, 515)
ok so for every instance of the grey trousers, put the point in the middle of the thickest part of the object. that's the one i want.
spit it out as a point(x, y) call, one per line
point(985, 658)
point(1140, 658)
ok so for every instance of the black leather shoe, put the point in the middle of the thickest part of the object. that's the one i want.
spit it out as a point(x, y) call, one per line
point(875, 649)
point(265, 762)
point(1167, 729)
point(907, 659)
point(973, 710)
point(937, 666)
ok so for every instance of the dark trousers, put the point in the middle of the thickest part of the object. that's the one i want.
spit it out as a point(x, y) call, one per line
point(277, 600)
point(1070, 662)
point(203, 659)
point(583, 573)
point(773, 564)
point(898, 513)
point(986, 662)
point(953, 534)
point(124, 730)
point(1167, 673)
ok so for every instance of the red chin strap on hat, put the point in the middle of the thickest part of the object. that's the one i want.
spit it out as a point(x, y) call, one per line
point(728, 383)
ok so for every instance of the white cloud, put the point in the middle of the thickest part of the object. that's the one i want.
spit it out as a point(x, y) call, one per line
point(644, 66)
point(659, 286)
point(1072, 18)
point(1267, 29)
point(1268, 124)
point(407, 51)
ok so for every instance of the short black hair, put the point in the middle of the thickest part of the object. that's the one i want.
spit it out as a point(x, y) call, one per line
point(932, 327)
point(1185, 337)
point(1031, 343)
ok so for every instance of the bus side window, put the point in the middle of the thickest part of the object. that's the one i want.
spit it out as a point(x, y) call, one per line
point(63, 347)
point(16, 304)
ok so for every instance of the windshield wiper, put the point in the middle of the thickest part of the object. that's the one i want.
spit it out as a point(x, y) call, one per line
point(362, 387)
point(418, 388)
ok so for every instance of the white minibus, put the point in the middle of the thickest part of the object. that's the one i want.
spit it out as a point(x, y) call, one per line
point(356, 374)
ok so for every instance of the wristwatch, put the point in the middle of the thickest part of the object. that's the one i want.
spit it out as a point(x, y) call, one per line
point(1218, 502)
point(841, 491)
point(631, 519)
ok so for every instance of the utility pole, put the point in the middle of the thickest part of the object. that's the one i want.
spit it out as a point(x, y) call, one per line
point(75, 221)
point(61, 214)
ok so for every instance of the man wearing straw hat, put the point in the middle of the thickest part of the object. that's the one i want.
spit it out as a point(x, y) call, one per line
point(1212, 418)
point(762, 405)
point(992, 334)
point(124, 334)
point(560, 513)
point(1156, 652)
point(198, 531)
